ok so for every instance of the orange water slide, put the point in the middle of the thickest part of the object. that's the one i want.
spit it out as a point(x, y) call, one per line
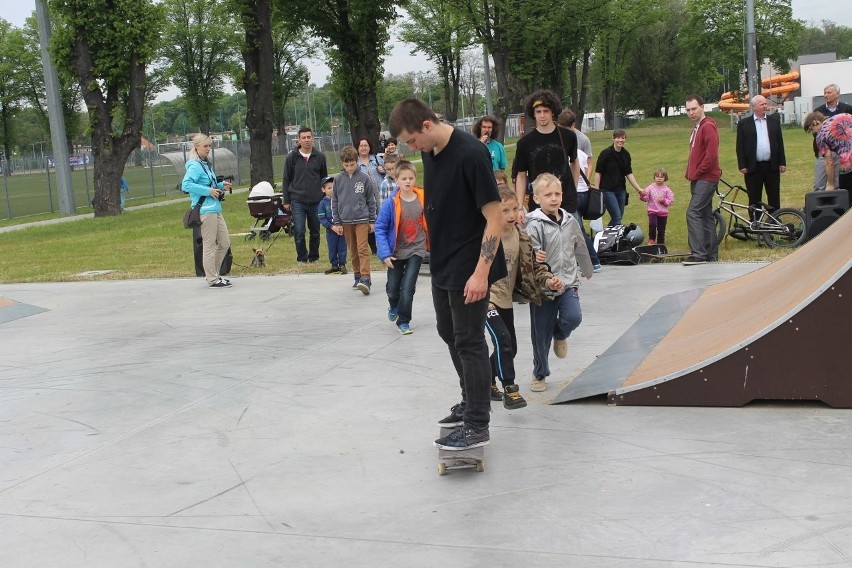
point(737, 101)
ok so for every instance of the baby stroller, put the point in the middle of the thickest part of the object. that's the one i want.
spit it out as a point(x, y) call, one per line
point(265, 206)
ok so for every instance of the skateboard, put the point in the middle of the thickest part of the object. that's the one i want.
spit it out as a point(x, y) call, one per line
point(656, 253)
point(473, 458)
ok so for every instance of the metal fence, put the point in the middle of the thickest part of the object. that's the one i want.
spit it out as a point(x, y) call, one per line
point(29, 185)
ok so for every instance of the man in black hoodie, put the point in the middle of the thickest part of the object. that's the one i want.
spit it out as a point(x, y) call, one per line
point(304, 169)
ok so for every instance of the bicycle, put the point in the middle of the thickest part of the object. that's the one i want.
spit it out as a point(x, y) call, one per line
point(779, 228)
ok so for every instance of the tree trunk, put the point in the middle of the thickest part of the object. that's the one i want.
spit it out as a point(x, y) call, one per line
point(257, 83)
point(6, 119)
point(451, 109)
point(362, 110)
point(110, 151)
point(580, 87)
point(501, 73)
point(455, 75)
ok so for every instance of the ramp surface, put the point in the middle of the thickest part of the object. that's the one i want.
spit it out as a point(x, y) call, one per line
point(11, 310)
point(781, 332)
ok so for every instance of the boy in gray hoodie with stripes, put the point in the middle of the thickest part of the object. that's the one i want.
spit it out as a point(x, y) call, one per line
point(557, 239)
point(353, 215)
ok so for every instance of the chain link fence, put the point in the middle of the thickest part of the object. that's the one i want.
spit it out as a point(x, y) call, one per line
point(154, 173)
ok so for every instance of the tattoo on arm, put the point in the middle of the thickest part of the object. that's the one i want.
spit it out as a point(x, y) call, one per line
point(489, 249)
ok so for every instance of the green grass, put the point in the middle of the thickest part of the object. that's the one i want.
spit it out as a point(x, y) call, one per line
point(144, 243)
point(152, 243)
point(663, 143)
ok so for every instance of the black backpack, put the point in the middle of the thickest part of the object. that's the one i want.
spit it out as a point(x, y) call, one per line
point(615, 247)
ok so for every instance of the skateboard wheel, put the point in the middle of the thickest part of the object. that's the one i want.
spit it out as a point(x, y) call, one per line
point(442, 469)
point(480, 466)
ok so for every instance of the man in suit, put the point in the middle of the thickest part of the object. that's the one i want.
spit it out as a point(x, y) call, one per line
point(760, 153)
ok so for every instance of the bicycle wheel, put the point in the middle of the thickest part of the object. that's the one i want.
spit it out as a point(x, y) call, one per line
point(789, 231)
point(721, 227)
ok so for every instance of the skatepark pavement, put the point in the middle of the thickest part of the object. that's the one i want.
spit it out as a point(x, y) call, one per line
point(286, 422)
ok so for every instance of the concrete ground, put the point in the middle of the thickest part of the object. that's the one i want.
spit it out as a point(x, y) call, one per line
point(285, 422)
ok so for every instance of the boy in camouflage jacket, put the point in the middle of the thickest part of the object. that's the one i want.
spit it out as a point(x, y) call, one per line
point(528, 281)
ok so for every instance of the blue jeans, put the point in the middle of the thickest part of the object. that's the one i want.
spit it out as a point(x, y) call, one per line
point(306, 213)
point(336, 248)
point(462, 327)
point(582, 205)
point(402, 281)
point(555, 318)
point(615, 202)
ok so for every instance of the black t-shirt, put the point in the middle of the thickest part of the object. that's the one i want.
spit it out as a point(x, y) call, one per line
point(458, 182)
point(614, 167)
point(539, 153)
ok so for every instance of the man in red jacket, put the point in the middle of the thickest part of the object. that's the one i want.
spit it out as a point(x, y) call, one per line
point(703, 172)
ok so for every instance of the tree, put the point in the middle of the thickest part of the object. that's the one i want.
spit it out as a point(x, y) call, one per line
point(472, 80)
point(291, 45)
point(656, 66)
point(714, 39)
point(106, 45)
point(550, 39)
point(199, 38)
point(12, 89)
point(617, 40)
point(256, 80)
point(825, 38)
point(29, 67)
point(355, 33)
point(438, 30)
point(491, 22)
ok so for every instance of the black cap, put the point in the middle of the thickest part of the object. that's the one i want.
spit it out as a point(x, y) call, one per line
point(326, 179)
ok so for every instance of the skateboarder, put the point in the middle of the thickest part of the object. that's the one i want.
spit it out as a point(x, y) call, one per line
point(464, 219)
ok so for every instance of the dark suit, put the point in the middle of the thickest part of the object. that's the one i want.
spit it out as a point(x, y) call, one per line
point(765, 173)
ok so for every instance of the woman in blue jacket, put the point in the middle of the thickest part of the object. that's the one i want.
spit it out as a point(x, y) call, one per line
point(201, 185)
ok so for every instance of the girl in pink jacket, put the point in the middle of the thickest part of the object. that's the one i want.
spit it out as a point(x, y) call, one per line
point(659, 197)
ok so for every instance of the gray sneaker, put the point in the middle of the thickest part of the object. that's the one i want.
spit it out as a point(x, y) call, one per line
point(454, 419)
point(464, 438)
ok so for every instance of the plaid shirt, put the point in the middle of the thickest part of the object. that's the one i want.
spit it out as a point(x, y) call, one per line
point(386, 190)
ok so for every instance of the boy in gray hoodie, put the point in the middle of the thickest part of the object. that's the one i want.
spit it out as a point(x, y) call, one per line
point(557, 239)
point(353, 215)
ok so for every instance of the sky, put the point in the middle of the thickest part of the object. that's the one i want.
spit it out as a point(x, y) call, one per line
point(400, 61)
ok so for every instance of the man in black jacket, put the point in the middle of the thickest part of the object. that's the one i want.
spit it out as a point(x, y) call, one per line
point(760, 153)
point(304, 169)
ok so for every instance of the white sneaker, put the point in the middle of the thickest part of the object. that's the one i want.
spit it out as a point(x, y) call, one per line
point(538, 384)
point(560, 348)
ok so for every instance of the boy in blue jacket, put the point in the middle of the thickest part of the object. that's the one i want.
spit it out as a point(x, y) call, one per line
point(401, 243)
point(336, 243)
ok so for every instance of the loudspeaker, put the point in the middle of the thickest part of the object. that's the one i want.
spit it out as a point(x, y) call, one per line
point(822, 208)
point(198, 255)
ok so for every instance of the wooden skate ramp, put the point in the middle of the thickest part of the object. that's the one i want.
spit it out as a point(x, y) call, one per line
point(782, 332)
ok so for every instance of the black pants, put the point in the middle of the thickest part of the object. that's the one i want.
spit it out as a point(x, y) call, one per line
point(462, 327)
point(764, 176)
point(500, 324)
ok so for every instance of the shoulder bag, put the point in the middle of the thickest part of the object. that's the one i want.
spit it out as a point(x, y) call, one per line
point(595, 208)
point(192, 218)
